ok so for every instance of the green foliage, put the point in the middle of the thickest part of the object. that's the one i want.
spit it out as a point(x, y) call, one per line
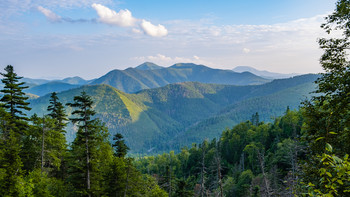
point(14, 99)
point(334, 175)
point(57, 111)
point(121, 149)
point(254, 160)
point(327, 114)
point(34, 160)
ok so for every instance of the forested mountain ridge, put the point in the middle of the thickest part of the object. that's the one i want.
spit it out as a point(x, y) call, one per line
point(150, 118)
point(132, 79)
point(145, 76)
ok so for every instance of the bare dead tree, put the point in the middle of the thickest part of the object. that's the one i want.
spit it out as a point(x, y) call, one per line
point(261, 157)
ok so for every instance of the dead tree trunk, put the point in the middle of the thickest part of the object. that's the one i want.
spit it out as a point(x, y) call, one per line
point(218, 168)
point(261, 158)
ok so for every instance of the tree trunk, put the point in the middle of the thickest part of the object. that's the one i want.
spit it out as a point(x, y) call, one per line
point(87, 159)
point(262, 166)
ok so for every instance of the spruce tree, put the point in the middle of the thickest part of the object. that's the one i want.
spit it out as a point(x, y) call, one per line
point(90, 151)
point(57, 111)
point(14, 99)
point(121, 149)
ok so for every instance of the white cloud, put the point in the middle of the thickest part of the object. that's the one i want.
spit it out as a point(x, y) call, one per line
point(153, 30)
point(122, 18)
point(51, 16)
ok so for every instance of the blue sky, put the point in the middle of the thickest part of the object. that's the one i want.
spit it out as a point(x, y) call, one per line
point(88, 38)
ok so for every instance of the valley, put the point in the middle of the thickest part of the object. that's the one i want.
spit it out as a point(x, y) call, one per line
point(176, 115)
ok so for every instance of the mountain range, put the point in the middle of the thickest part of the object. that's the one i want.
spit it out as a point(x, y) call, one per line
point(145, 76)
point(132, 80)
point(177, 114)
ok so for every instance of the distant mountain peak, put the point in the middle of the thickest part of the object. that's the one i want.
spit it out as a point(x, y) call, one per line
point(148, 66)
point(263, 73)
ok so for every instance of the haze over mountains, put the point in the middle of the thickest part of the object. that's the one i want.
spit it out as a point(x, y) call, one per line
point(146, 76)
point(149, 75)
point(263, 73)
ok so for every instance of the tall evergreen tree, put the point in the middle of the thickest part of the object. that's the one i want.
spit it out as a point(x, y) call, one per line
point(57, 111)
point(14, 99)
point(121, 149)
point(90, 151)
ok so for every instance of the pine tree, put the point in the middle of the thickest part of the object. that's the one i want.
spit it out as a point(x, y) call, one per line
point(90, 151)
point(121, 149)
point(57, 111)
point(14, 99)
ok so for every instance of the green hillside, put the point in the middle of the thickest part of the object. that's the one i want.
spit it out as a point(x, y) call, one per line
point(165, 118)
point(134, 79)
point(268, 107)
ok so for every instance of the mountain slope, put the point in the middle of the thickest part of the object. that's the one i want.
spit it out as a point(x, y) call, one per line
point(268, 107)
point(160, 119)
point(132, 80)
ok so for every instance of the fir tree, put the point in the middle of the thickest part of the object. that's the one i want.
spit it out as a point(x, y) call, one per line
point(121, 149)
point(90, 151)
point(14, 99)
point(57, 111)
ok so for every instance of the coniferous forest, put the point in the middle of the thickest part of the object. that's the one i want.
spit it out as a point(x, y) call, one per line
point(304, 152)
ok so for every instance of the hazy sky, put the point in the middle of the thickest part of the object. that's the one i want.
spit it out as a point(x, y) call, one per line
point(88, 38)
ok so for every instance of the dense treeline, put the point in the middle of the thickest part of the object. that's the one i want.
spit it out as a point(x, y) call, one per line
point(253, 158)
point(35, 159)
